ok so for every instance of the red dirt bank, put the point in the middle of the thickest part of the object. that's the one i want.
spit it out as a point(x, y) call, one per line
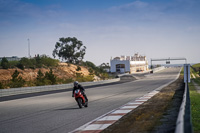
point(62, 71)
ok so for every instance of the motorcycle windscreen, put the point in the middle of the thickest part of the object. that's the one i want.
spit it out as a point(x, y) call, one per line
point(76, 91)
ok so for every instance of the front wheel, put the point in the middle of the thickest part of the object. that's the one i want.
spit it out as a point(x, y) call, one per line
point(79, 101)
point(86, 105)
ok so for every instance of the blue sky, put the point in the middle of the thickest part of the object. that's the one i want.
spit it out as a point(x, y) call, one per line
point(108, 28)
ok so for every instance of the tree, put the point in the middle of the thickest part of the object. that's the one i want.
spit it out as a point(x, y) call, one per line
point(26, 63)
point(40, 78)
point(20, 66)
point(69, 49)
point(40, 75)
point(105, 65)
point(90, 64)
point(4, 63)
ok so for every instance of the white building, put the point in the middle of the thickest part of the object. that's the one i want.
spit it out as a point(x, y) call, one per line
point(13, 58)
point(129, 64)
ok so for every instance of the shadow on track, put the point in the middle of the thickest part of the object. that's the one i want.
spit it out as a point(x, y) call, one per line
point(69, 108)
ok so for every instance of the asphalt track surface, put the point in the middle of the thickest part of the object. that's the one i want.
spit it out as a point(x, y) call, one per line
point(59, 113)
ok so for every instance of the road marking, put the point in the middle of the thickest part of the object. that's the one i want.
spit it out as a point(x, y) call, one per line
point(129, 107)
point(96, 126)
point(134, 103)
point(108, 118)
point(141, 100)
point(121, 111)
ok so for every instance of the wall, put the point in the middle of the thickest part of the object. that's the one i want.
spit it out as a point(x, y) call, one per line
point(35, 89)
point(113, 64)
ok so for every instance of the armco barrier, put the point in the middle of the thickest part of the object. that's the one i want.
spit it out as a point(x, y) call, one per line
point(158, 69)
point(183, 123)
point(25, 90)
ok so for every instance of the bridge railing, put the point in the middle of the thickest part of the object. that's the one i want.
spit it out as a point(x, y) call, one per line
point(25, 90)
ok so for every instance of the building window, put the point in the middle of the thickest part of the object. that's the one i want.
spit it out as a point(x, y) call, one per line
point(120, 68)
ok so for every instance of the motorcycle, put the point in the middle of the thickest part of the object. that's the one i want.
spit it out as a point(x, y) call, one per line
point(80, 99)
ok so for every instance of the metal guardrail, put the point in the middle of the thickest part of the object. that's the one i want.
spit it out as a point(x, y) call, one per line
point(25, 90)
point(183, 123)
point(158, 69)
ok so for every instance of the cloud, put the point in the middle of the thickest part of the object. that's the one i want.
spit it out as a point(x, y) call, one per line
point(194, 28)
point(137, 5)
point(16, 8)
point(135, 26)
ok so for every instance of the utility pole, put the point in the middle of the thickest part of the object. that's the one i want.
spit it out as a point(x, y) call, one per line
point(29, 55)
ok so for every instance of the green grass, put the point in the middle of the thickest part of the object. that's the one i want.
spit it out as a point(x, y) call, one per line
point(195, 102)
point(195, 107)
point(196, 65)
point(182, 71)
point(193, 72)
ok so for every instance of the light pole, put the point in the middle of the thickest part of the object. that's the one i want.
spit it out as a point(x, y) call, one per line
point(29, 55)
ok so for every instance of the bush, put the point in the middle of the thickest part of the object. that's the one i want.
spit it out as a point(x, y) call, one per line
point(99, 71)
point(13, 64)
point(36, 62)
point(85, 78)
point(50, 77)
point(16, 80)
point(104, 76)
point(64, 81)
point(40, 79)
point(1, 86)
point(89, 64)
point(91, 71)
point(49, 62)
point(78, 68)
point(199, 72)
point(27, 63)
point(20, 66)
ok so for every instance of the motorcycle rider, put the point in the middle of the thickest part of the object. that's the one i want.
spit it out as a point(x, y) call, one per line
point(78, 86)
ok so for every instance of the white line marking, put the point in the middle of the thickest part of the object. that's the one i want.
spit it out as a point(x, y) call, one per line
point(145, 97)
point(108, 118)
point(135, 103)
point(121, 111)
point(129, 107)
point(96, 127)
point(144, 100)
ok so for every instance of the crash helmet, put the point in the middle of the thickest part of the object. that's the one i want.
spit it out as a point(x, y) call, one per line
point(76, 83)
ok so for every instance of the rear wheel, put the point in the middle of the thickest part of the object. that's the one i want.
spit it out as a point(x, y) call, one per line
point(79, 101)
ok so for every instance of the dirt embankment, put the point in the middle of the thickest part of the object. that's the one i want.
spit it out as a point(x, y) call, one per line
point(62, 71)
point(159, 114)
